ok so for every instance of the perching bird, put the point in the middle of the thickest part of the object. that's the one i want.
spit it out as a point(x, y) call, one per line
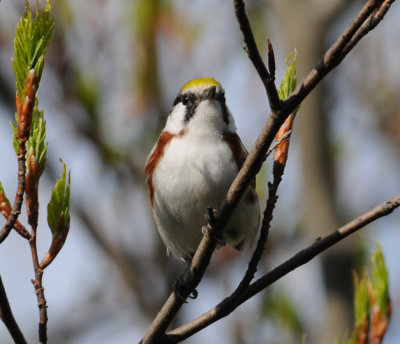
point(191, 167)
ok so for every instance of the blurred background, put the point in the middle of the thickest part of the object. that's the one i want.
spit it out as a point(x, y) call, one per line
point(111, 74)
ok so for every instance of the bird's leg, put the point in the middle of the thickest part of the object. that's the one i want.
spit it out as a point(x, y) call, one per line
point(210, 229)
point(181, 284)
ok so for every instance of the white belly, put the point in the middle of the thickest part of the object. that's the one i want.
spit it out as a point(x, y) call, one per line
point(191, 176)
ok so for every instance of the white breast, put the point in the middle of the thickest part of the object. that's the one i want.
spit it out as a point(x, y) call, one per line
point(191, 176)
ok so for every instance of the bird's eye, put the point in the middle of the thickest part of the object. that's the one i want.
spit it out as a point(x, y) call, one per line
point(185, 99)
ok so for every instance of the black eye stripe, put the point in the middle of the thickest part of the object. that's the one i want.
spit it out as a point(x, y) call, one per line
point(185, 98)
point(225, 114)
point(190, 100)
point(220, 97)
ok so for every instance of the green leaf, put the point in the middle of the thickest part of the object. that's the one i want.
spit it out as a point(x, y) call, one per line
point(361, 299)
point(37, 138)
point(58, 206)
point(32, 38)
point(289, 80)
point(379, 278)
point(14, 132)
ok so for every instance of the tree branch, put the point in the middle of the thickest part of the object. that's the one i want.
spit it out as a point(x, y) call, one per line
point(267, 77)
point(8, 318)
point(39, 289)
point(300, 258)
point(19, 196)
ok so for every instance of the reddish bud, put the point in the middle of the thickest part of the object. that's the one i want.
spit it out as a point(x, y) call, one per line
point(361, 331)
point(59, 237)
point(31, 188)
point(5, 209)
point(282, 149)
point(379, 318)
point(25, 107)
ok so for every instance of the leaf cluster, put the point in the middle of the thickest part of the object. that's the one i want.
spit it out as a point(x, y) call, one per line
point(371, 302)
point(33, 36)
point(289, 80)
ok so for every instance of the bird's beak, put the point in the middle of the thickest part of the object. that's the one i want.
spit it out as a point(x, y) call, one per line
point(209, 93)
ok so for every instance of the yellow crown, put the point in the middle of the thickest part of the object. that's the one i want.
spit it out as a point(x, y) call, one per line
point(201, 82)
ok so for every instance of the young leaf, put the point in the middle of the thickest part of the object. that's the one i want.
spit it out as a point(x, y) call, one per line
point(58, 217)
point(58, 207)
point(37, 138)
point(361, 308)
point(289, 80)
point(32, 38)
point(371, 302)
point(288, 84)
point(379, 297)
point(361, 299)
point(14, 132)
point(380, 279)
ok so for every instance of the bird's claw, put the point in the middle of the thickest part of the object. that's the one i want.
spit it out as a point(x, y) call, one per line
point(180, 287)
point(207, 230)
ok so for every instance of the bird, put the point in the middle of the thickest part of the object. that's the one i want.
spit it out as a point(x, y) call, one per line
point(191, 167)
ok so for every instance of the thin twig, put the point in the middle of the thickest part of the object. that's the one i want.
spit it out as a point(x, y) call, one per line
point(369, 25)
point(5, 210)
point(39, 290)
point(8, 318)
point(267, 77)
point(32, 205)
point(19, 196)
point(277, 143)
point(300, 258)
point(321, 245)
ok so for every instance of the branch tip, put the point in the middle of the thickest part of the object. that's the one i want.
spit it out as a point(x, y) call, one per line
point(271, 60)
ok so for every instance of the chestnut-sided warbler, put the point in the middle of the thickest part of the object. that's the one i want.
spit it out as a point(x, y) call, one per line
point(191, 167)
